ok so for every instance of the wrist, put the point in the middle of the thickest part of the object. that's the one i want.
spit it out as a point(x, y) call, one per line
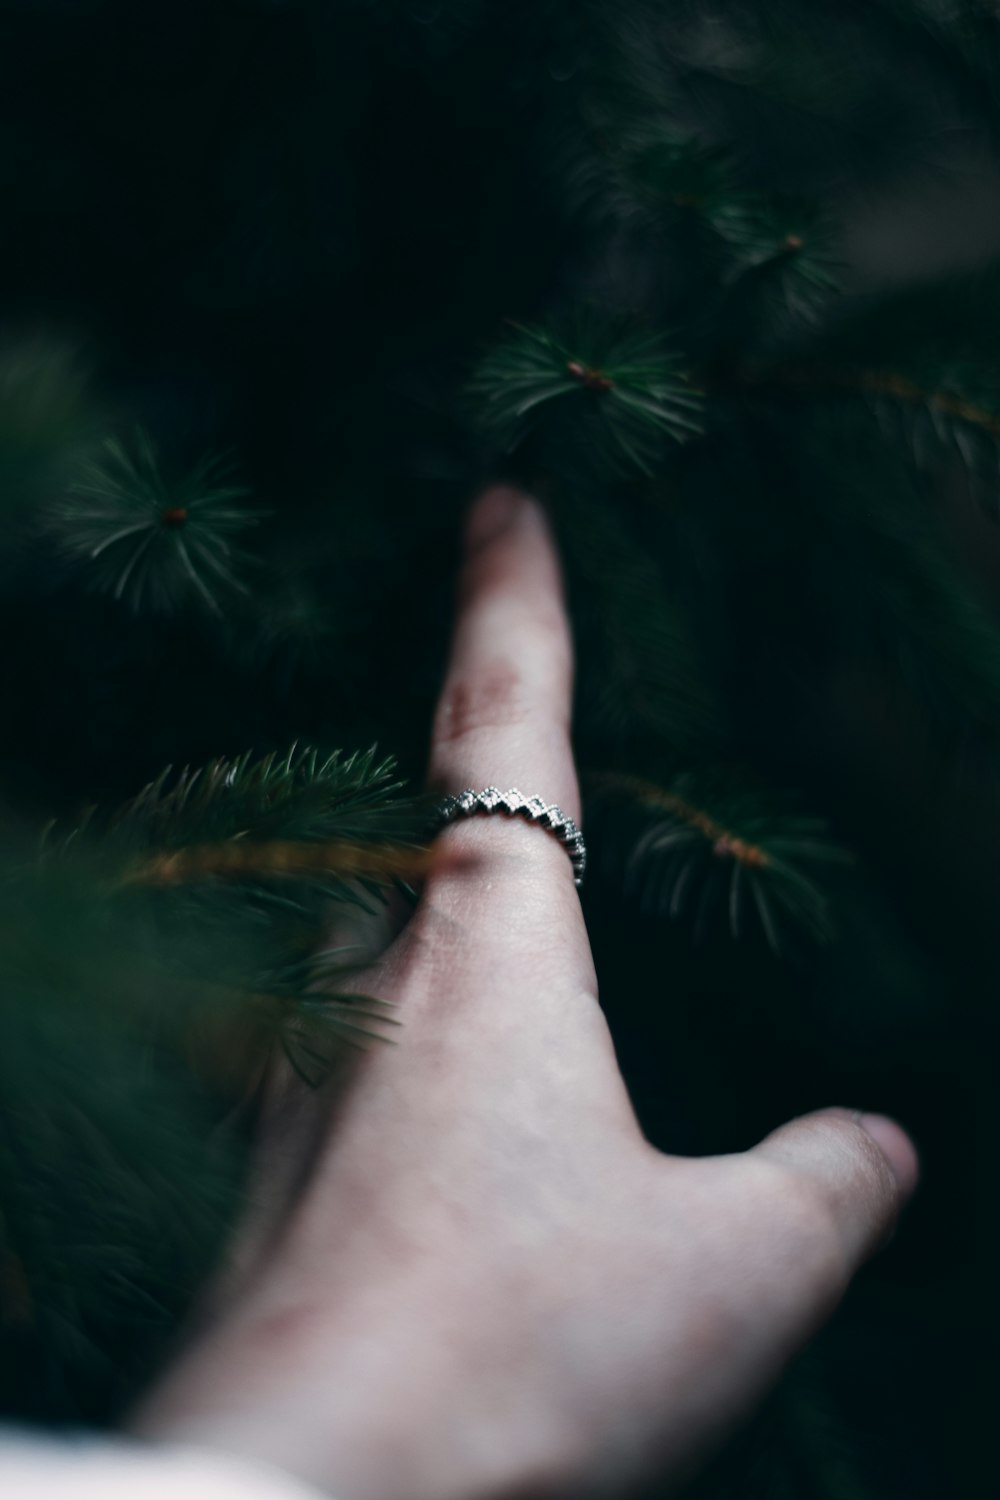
point(403, 1407)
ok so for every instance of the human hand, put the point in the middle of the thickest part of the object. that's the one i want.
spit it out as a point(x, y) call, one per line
point(487, 1283)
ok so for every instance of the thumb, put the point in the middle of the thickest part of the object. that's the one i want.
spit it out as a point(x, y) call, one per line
point(812, 1202)
point(861, 1168)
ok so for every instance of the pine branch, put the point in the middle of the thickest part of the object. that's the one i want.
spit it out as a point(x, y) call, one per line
point(233, 1032)
point(299, 794)
point(154, 543)
point(648, 173)
point(704, 844)
point(958, 416)
point(282, 859)
point(618, 400)
point(888, 383)
point(280, 833)
point(116, 1184)
point(770, 260)
point(944, 402)
point(313, 1032)
point(779, 273)
point(139, 1012)
point(921, 361)
point(926, 424)
point(228, 872)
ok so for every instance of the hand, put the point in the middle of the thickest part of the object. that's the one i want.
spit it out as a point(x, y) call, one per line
point(487, 1283)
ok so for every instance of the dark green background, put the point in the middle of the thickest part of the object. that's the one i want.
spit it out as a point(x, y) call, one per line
point(286, 230)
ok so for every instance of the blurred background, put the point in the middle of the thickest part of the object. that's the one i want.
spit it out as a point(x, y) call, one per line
point(280, 285)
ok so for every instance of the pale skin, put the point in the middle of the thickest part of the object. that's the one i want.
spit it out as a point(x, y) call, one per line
point(469, 1276)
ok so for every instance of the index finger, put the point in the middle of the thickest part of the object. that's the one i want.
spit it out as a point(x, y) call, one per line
point(503, 718)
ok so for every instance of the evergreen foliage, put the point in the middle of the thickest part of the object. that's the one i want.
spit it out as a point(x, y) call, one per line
point(147, 541)
point(636, 257)
point(706, 848)
point(191, 947)
point(634, 399)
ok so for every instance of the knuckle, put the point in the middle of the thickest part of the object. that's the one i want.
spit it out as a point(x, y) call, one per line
point(495, 698)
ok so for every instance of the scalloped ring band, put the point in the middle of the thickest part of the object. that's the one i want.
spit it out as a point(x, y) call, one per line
point(468, 803)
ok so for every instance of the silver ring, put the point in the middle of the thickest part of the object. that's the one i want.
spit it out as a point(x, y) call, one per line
point(547, 815)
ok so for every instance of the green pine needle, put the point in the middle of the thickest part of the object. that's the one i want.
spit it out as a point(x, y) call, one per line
point(628, 396)
point(153, 543)
point(312, 1032)
point(278, 830)
point(297, 794)
point(921, 361)
point(222, 879)
point(649, 175)
point(785, 243)
point(117, 1177)
point(703, 848)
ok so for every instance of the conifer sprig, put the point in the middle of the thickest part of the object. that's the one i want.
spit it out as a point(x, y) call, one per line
point(278, 827)
point(921, 360)
point(226, 873)
point(627, 397)
point(700, 845)
point(780, 263)
point(649, 175)
point(300, 793)
point(946, 410)
point(154, 543)
point(312, 1030)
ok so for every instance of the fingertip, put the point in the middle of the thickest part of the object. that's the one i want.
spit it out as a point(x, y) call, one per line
point(897, 1148)
point(833, 1202)
point(863, 1166)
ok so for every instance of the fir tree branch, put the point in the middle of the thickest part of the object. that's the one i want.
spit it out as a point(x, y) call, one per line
point(922, 421)
point(228, 871)
point(724, 840)
point(703, 843)
point(779, 272)
point(824, 381)
point(626, 397)
point(156, 544)
point(922, 361)
point(115, 1189)
point(282, 858)
point(300, 794)
point(649, 173)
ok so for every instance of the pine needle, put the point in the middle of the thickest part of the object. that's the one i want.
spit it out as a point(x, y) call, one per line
point(627, 396)
point(151, 542)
